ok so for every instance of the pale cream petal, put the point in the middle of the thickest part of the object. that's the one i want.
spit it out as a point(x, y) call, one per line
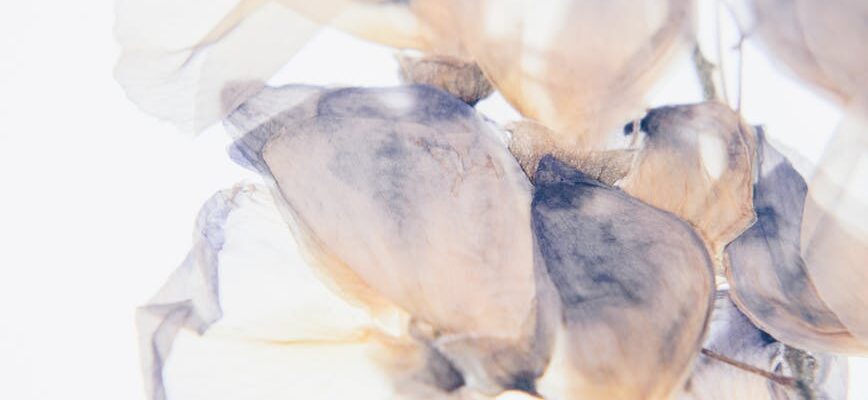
point(632, 286)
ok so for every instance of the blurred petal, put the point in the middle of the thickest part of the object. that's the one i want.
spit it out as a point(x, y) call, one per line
point(579, 67)
point(633, 286)
point(192, 62)
point(180, 76)
point(821, 42)
point(770, 278)
point(696, 163)
point(406, 196)
point(835, 226)
point(733, 336)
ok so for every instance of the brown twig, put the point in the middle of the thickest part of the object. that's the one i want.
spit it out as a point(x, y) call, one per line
point(779, 379)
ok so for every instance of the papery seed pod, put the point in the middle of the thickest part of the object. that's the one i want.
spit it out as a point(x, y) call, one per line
point(743, 362)
point(631, 287)
point(770, 278)
point(695, 161)
point(408, 195)
point(579, 67)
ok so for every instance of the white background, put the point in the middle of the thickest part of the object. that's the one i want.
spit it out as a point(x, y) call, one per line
point(97, 200)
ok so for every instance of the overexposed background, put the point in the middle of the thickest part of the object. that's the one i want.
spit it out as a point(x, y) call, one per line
point(98, 200)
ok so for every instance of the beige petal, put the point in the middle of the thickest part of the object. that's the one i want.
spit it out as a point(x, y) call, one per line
point(405, 194)
point(632, 287)
point(580, 67)
point(695, 162)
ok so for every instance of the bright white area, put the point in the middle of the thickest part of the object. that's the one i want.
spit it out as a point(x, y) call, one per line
point(98, 200)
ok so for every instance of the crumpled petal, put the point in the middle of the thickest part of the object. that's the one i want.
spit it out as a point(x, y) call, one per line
point(407, 196)
point(696, 162)
point(632, 286)
point(771, 281)
point(579, 67)
point(244, 317)
point(732, 335)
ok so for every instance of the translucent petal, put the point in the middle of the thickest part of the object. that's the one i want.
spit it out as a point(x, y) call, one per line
point(632, 286)
point(821, 42)
point(835, 226)
point(695, 162)
point(191, 62)
point(770, 278)
point(580, 67)
point(406, 196)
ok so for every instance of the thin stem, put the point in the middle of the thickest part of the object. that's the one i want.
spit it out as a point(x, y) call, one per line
point(779, 379)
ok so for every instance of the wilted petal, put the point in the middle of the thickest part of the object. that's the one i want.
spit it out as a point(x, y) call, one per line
point(406, 196)
point(733, 336)
point(769, 277)
point(579, 67)
point(633, 286)
point(696, 163)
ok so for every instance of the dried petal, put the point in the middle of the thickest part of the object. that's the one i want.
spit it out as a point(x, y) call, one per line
point(405, 194)
point(821, 42)
point(835, 226)
point(696, 163)
point(633, 287)
point(461, 79)
point(179, 58)
point(530, 141)
point(578, 67)
point(770, 278)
